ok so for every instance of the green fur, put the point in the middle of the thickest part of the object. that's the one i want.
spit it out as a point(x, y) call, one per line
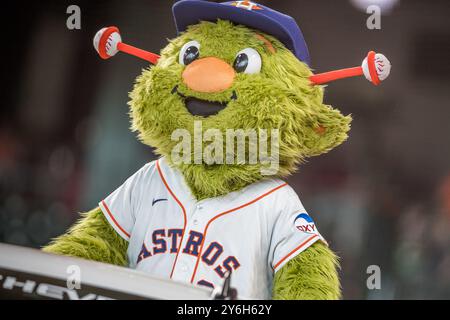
point(93, 238)
point(312, 275)
point(280, 97)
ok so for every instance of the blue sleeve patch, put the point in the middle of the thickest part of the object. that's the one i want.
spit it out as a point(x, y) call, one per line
point(304, 223)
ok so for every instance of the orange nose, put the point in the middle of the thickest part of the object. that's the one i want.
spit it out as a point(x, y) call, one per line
point(208, 75)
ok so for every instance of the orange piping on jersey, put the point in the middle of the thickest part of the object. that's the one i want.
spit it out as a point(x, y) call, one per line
point(295, 250)
point(224, 213)
point(182, 208)
point(113, 219)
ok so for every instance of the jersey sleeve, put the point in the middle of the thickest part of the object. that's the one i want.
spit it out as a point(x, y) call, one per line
point(294, 231)
point(119, 207)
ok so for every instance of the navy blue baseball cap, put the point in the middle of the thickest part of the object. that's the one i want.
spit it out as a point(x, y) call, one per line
point(247, 13)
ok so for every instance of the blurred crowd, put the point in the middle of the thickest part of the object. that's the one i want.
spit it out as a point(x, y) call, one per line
point(383, 198)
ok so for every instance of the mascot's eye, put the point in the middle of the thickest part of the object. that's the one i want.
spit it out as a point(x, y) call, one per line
point(189, 53)
point(248, 61)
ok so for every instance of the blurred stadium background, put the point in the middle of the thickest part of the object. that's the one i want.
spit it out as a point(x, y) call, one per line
point(383, 198)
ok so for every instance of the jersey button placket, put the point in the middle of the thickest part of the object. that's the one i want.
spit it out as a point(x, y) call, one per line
point(186, 262)
point(196, 217)
point(199, 219)
point(183, 267)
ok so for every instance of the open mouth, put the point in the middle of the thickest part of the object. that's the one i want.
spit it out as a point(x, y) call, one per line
point(203, 108)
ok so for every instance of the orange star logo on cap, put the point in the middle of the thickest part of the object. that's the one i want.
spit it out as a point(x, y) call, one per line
point(248, 5)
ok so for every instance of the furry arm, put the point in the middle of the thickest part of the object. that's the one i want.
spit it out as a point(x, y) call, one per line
point(312, 275)
point(91, 238)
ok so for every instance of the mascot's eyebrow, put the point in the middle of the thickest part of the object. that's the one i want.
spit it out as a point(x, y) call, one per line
point(268, 44)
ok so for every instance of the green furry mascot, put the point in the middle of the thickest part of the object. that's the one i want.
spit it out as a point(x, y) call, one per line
point(235, 65)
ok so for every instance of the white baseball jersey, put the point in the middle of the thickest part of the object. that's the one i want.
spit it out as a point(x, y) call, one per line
point(252, 232)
